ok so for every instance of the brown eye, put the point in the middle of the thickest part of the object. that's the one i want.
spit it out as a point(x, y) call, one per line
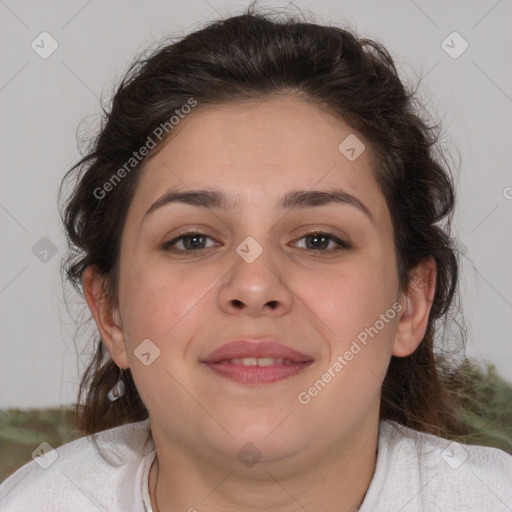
point(189, 242)
point(324, 242)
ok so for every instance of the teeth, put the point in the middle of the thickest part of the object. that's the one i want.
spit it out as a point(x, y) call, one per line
point(260, 361)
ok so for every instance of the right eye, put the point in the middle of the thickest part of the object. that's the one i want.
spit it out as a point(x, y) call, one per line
point(190, 242)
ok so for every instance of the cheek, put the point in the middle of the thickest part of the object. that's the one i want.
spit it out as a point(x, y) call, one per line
point(356, 306)
point(356, 311)
point(346, 299)
point(163, 307)
point(156, 299)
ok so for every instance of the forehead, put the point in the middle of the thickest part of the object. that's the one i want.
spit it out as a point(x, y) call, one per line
point(258, 151)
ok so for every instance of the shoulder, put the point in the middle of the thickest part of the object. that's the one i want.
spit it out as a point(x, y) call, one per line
point(76, 476)
point(443, 455)
point(420, 471)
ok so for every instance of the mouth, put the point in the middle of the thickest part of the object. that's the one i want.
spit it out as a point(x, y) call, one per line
point(249, 362)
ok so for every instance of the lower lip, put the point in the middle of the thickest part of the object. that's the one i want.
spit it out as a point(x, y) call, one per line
point(257, 374)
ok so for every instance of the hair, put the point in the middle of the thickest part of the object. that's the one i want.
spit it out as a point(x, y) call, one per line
point(253, 56)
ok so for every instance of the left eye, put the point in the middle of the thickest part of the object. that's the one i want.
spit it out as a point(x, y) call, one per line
point(319, 240)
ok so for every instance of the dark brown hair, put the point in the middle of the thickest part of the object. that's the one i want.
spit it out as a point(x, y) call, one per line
point(253, 56)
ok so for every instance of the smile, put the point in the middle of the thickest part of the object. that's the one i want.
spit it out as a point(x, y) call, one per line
point(263, 370)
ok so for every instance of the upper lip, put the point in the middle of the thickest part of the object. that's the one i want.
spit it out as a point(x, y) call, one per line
point(245, 348)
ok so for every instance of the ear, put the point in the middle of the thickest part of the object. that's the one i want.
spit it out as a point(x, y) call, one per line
point(417, 301)
point(105, 315)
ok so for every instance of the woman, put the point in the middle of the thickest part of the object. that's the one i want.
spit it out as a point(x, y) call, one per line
point(256, 231)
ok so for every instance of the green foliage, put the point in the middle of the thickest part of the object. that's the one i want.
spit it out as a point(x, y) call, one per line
point(487, 407)
point(21, 432)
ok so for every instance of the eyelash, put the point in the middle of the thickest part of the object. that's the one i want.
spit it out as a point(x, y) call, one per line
point(342, 245)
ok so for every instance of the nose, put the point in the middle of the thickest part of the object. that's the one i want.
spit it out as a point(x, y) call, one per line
point(255, 288)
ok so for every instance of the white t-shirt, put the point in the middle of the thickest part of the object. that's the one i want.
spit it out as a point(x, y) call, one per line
point(451, 477)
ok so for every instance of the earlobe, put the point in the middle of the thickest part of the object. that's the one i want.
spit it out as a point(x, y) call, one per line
point(417, 301)
point(105, 315)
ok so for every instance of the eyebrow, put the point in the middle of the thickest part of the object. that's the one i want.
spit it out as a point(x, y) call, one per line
point(205, 198)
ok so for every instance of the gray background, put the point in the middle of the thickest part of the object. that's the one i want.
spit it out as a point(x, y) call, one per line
point(43, 101)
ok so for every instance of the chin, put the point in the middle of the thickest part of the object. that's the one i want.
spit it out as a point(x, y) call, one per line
point(258, 424)
point(269, 438)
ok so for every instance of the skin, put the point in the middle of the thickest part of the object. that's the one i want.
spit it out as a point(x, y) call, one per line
point(319, 456)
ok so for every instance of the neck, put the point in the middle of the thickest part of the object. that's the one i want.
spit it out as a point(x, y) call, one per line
point(336, 482)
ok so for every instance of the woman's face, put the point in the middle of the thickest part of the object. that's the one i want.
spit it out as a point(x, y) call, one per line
point(257, 272)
